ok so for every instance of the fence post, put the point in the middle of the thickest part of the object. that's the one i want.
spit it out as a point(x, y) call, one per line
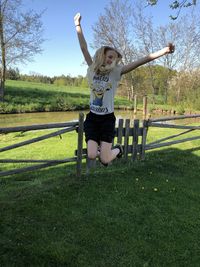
point(126, 138)
point(120, 131)
point(144, 137)
point(135, 139)
point(80, 145)
point(144, 107)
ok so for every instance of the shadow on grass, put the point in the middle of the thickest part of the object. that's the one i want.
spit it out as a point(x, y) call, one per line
point(144, 213)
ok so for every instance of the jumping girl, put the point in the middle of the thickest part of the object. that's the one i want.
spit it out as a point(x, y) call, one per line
point(104, 74)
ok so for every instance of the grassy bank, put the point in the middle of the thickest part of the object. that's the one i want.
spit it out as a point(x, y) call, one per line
point(24, 97)
point(144, 213)
point(21, 97)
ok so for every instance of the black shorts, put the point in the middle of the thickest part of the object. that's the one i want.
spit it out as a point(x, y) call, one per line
point(99, 127)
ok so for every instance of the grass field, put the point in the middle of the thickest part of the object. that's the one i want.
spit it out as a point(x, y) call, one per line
point(21, 97)
point(144, 213)
point(27, 97)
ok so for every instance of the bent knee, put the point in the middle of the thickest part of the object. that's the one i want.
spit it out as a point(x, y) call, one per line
point(92, 155)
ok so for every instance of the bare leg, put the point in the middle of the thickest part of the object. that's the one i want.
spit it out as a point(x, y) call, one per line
point(92, 149)
point(106, 153)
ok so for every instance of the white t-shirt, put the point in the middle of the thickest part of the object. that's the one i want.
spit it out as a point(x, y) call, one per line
point(102, 90)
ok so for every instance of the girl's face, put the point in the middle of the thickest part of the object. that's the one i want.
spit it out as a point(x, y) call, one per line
point(110, 58)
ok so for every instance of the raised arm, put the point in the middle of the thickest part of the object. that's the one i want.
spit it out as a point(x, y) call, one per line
point(166, 50)
point(81, 38)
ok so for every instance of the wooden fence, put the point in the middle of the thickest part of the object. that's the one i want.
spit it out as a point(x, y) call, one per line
point(123, 132)
point(67, 127)
point(131, 134)
point(161, 122)
point(128, 134)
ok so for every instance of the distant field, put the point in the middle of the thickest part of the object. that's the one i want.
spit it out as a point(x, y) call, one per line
point(24, 97)
point(21, 97)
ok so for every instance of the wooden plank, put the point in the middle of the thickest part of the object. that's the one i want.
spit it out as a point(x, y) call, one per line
point(131, 132)
point(130, 149)
point(35, 167)
point(120, 131)
point(174, 126)
point(126, 138)
point(135, 139)
point(37, 139)
point(36, 160)
point(148, 147)
point(144, 137)
point(80, 145)
point(169, 137)
point(38, 127)
point(175, 118)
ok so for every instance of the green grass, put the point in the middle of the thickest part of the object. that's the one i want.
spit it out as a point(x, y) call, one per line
point(24, 97)
point(21, 97)
point(144, 213)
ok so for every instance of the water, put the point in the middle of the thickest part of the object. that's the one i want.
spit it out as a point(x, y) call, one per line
point(12, 120)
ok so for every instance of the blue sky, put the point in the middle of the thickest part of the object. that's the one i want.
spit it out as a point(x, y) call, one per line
point(61, 53)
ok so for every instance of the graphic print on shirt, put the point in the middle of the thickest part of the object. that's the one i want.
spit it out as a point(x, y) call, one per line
point(99, 86)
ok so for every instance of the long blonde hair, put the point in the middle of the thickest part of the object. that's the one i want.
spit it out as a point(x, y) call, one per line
point(98, 59)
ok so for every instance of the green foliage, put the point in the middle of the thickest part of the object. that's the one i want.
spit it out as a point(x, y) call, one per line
point(175, 5)
point(184, 90)
point(142, 82)
point(180, 109)
point(152, 2)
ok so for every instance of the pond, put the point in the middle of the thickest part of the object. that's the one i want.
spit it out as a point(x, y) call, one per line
point(12, 120)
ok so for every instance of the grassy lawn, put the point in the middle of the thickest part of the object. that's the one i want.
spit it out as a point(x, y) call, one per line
point(144, 213)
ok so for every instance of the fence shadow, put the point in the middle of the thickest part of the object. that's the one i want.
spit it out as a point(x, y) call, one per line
point(165, 160)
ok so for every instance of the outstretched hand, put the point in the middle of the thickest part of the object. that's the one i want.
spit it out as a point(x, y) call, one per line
point(77, 19)
point(170, 48)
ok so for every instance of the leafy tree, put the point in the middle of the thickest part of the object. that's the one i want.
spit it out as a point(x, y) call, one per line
point(12, 74)
point(135, 35)
point(20, 36)
point(185, 88)
point(178, 5)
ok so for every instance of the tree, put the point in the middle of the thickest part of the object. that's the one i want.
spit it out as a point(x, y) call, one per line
point(135, 36)
point(20, 36)
point(178, 5)
point(114, 30)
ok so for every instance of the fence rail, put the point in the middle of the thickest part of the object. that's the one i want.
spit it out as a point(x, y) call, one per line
point(157, 123)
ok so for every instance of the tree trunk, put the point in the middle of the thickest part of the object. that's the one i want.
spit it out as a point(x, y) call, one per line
point(1, 91)
point(3, 59)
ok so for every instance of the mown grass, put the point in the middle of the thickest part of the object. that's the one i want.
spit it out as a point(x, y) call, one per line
point(144, 213)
